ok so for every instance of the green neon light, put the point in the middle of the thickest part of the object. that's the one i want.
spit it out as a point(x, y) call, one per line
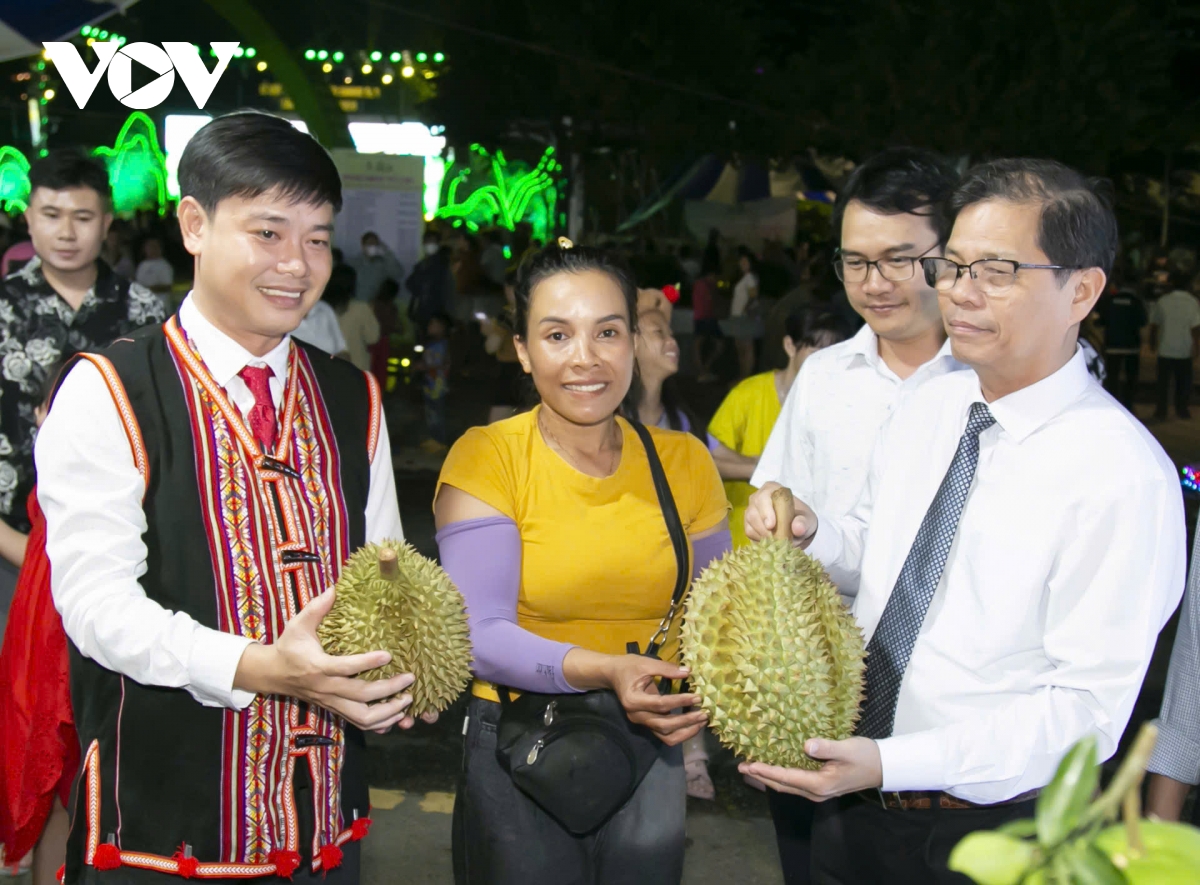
point(490, 191)
point(422, 57)
point(14, 180)
point(85, 31)
point(339, 57)
point(438, 58)
point(376, 55)
point(395, 57)
point(322, 55)
point(239, 52)
point(137, 168)
point(310, 54)
point(251, 52)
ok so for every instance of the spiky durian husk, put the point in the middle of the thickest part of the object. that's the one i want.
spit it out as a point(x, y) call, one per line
point(774, 655)
point(418, 617)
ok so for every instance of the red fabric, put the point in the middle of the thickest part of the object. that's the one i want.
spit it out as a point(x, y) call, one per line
point(331, 857)
point(108, 857)
point(360, 828)
point(262, 416)
point(39, 750)
point(286, 862)
point(703, 300)
point(187, 867)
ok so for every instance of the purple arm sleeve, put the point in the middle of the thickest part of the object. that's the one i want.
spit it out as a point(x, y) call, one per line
point(713, 443)
point(706, 551)
point(483, 559)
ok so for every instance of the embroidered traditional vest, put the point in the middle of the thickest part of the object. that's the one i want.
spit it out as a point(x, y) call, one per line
point(240, 541)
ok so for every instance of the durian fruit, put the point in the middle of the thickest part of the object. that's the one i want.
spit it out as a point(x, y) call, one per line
point(775, 656)
point(392, 598)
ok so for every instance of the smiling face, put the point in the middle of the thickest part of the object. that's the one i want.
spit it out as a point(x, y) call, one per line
point(261, 264)
point(578, 346)
point(1027, 332)
point(67, 226)
point(896, 311)
point(657, 349)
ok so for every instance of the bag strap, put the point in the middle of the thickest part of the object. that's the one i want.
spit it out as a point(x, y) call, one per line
point(678, 538)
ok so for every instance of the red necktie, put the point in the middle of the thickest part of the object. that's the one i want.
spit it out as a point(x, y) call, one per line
point(262, 413)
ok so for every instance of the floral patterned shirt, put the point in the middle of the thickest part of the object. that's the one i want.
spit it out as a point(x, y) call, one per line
point(38, 330)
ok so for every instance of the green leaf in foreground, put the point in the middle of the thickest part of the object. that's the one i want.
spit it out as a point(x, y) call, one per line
point(1170, 853)
point(992, 858)
point(1062, 802)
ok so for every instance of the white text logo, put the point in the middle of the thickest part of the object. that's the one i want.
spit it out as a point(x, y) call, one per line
point(118, 61)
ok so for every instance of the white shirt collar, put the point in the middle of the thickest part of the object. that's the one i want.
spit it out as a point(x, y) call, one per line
point(865, 344)
point(1024, 411)
point(223, 356)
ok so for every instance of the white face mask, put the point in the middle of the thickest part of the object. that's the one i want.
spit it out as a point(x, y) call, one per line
point(431, 248)
point(373, 251)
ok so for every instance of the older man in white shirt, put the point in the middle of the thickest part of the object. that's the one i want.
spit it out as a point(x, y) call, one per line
point(1007, 514)
point(892, 211)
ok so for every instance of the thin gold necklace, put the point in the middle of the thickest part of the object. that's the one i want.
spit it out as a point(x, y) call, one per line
point(565, 452)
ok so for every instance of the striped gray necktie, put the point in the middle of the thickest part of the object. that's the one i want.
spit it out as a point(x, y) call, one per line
point(891, 646)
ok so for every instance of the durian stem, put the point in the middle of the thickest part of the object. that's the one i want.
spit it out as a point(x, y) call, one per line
point(785, 512)
point(389, 568)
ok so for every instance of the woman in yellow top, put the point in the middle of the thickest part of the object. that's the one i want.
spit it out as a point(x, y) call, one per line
point(739, 430)
point(549, 524)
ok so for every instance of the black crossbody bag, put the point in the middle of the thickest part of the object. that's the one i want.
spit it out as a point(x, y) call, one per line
point(577, 755)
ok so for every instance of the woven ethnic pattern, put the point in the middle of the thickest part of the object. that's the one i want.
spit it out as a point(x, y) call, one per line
point(891, 646)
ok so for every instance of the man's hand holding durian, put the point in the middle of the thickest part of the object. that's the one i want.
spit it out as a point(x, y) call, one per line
point(850, 765)
point(760, 517)
point(296, 666)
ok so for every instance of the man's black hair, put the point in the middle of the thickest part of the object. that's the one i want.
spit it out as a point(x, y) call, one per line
point(902, 180)
point(63, 169)
point(247, 154)
point(1077, 227)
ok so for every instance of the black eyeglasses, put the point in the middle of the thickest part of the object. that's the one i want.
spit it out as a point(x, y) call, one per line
point(992, 275)
point(896, 269)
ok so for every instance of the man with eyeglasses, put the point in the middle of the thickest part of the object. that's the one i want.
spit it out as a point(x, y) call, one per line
point(891, 212)
point(1019, 542)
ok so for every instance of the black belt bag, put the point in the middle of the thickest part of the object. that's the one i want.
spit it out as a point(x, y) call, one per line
point(577, 755)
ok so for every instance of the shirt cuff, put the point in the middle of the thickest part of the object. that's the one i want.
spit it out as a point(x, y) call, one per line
point(1176, 755)
point(827, 545)
point(212, 667)
point(912, 762)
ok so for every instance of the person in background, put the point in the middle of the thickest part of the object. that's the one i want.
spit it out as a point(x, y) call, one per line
point(154, 272)
point(387, 313)
point(373, 264)
point(1122, 316)
point(320, 328)
point(356, 318)
point(711, 259)
point(64, 300)
point(689, 264)
point(1175, 764)
point(891, 212)
point(492, 261)
point(744, 325)
point(431, 284)
point(657, 399)
point(707, 328)
point(739, 430)
point(508, 392)
point(1174, 336)
point(435, 369)
point(116, 251)
point(549, 525)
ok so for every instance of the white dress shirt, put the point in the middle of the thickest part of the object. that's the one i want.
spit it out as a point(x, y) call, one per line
point(821, 444)
point(1068, 560)
point(91, 493)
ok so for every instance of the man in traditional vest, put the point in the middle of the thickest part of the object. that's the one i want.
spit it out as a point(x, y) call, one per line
point(203, 482)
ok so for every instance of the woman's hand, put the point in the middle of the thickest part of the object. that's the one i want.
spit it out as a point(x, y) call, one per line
point(632, 677)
